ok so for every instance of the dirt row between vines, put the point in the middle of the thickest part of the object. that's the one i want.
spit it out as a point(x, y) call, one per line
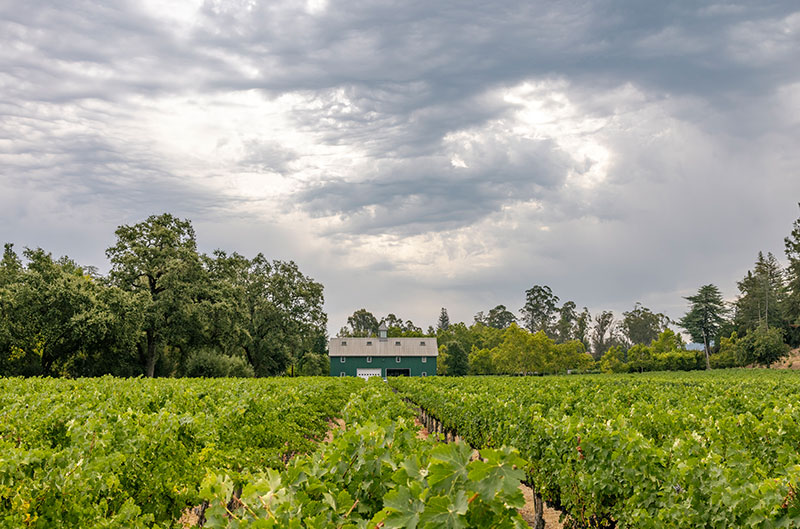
point(551, 516)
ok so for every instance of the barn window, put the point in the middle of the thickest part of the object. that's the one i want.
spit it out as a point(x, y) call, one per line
point(397, 343)
point(341, 359)
point(422, 344)
point(342, 374)
point(369, 359)
point(344, 343)
point(424, 374)
point(369, 343)
point(397, 359)
point(424, 359)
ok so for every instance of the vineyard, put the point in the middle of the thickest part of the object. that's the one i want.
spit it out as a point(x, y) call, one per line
point(637, 451)
point(112, 453)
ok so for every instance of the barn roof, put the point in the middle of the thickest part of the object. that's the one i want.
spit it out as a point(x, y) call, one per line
point(383, 347)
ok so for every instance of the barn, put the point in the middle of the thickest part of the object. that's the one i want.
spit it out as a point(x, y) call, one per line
point(382, 356)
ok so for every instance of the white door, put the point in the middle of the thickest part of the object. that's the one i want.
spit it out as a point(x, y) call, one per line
point(366, 372)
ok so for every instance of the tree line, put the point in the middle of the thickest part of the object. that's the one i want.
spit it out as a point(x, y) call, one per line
point(164, 309)
point(758, 328)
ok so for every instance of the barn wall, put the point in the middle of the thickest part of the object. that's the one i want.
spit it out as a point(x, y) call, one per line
point(414, 363)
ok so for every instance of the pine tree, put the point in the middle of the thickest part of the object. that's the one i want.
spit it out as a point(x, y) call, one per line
point(705, 317)
point(792, 304)
point(444, 320)
point(762, 297)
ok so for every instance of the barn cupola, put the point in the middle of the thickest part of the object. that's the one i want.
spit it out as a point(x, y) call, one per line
point(382, 331)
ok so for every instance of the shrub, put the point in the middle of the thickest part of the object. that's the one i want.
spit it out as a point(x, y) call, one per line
point(211, 364)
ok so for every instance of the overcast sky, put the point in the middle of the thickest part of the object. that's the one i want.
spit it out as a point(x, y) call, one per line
point(414, 155)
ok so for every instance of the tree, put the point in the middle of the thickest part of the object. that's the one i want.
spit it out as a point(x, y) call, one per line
point(456, 359)
point(500, 317)
point(481, 363)
point(397, 328)
point(539, 310)
point(705, 317)
point(641, 326)
point(764, 346)
point(60, 321)
point(640, 357)
point(361, 324)
point(613, 360)
point(158, 257)
point(278, 309)
point(10, 266)
point(581, 331)
point(762, 293)
point(792, 305)
point(565, 328)
point(444, 320)
point(604, 334)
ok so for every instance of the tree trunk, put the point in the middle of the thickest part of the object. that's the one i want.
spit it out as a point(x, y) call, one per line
point(705, 342)
point(150, 366)
point(538, 509)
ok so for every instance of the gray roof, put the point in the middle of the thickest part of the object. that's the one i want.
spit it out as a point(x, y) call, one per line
point(386, 347)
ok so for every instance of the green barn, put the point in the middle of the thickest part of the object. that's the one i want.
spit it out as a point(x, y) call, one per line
point(382, 356)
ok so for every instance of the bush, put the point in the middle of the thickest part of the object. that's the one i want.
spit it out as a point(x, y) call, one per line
point(729, 355)
point(314, 364)
point(679, 361)
point(763, 346)
point(211, 364)
point(613, 361)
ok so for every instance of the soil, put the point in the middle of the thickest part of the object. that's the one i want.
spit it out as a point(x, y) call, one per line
point(551, 516)
point(792, 361)
point(333, 424)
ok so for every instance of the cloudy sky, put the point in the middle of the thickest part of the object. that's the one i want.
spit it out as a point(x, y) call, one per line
point(413, 155)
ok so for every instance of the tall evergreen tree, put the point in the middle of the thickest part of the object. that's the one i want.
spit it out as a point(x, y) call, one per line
point(762, 294)
point(444, 320)
point(792, 305)
point(705, 317)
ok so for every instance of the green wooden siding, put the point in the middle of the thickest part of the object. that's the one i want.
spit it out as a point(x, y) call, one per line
point(352, 363)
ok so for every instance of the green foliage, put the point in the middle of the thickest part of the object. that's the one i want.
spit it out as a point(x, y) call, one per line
point(641, 325)
point(729, 354)
point(315, 364)
point(107, 453)
point(376, 473)
point(210, 364)
point(57, 320)
point(539, 310)
point(444, 320)
point(706, 317)
point(763, 346)
point(762, 296)
point(497, 318)
point(792, 302)
point(644, 451)
point(520, 352)
point(361, 323)
point(604, 334)
point(667, 341)
point(614, 360)
point(456, 360)
point(640, 358)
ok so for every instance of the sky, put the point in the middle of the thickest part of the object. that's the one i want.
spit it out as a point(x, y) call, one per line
point(414, 155)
